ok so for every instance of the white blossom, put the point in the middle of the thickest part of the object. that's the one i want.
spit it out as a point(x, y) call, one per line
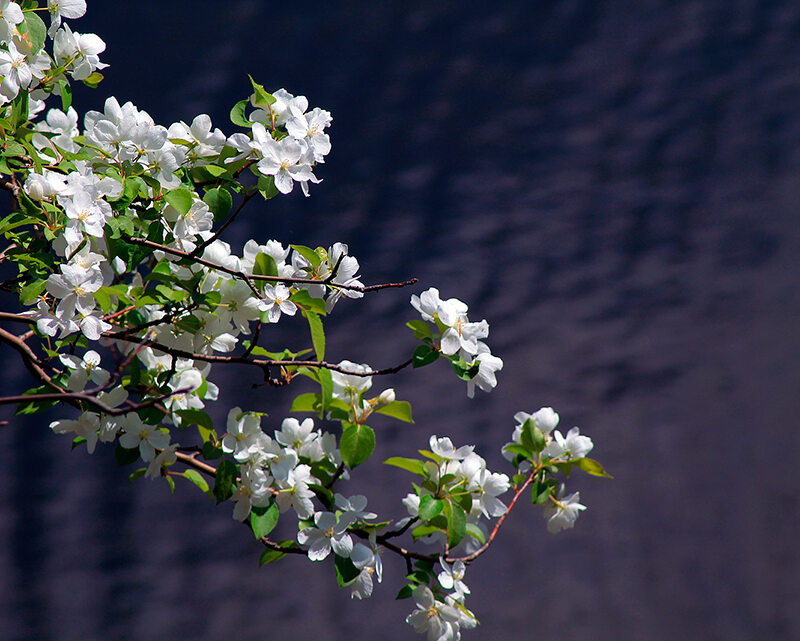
point(561, 513)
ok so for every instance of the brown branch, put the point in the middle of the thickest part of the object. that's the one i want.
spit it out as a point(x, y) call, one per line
point(17, 318)
point(191, 461)
point(274, 546)
point(261, 363)
point(249, 278)
point(202, 261)
point(485, 546)
point(32, 362)
point(83, 397)
point(197, 250)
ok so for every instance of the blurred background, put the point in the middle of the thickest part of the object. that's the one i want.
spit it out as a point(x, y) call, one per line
point(613, 186)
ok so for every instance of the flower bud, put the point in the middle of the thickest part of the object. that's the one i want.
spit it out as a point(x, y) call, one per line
point(35, 189)
point(387, 396)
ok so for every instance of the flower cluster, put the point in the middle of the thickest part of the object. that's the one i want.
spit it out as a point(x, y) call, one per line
point(286, 140)
point(132, 296)
point(456, 338)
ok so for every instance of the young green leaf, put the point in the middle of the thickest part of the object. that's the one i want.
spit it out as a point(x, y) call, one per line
point(476, 533)
point(356, 444)
point(309, 254)
point(35, 32)
point(195, 477)
point(180, 198)
point(590, 466)
point(326, 385)
point(429, 507)
point(225, 481)
point(400, 410)
point(238, 114)
point(305, 301)
point(346, 571)
point(263, 99)
point(409, 464)
point(270, 556)
point(264, 519)
point(265, 265)
point(424, 355)
point(308, 402)
point(532, 436)
point(405, 593)
point(421, 329)
point(219, 201)
point(456, 523)
point(317, 334)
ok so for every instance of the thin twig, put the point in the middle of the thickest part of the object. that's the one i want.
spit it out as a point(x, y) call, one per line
point(263, 364)
point(485, 546)
point(249, 278)
point(197, 250)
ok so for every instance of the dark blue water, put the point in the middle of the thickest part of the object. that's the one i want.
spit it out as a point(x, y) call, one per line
point(615, 187)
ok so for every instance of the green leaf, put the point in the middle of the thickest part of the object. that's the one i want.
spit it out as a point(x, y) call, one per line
point(93, 80)
point(137, 474)
point(31, 291)
point(195, 477)
point(421, 329)
point(424, 530)
point(356, 444)
point(400, 410)
point(409, 464)
point(263, 98)
point(238, 114)
point(456, 523)
point(171, 484)
point(33, 27)
point(424, 355)
point(476, 533)
point(346, 571)
point(219, 201)
point(66, 94)
point(270, 556)
point(265, 265)
point(324, 495)
point(565, 467)
point(266, 186)
point(309, 402)
point(309, 254)
point(225, 481)
point(326, 384)
point(532, 436)
point(210, 451)
point(590, 466)
point(516, 448)
point(464, 370)
point(214, 170)
point(405, 593)
point(264, 519)
point(151, 415)
point(196, 417)
point(317, 334)
point(307, 302)
point(180, 198)
point(125, 456)
point(429, 507)
point(541, 491)
point(19, 110)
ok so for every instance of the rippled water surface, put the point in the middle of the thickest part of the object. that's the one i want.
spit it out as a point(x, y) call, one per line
point(614, 186)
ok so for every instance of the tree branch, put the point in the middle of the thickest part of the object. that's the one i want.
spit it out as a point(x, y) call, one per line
point(249, 278)
point(261, 363)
